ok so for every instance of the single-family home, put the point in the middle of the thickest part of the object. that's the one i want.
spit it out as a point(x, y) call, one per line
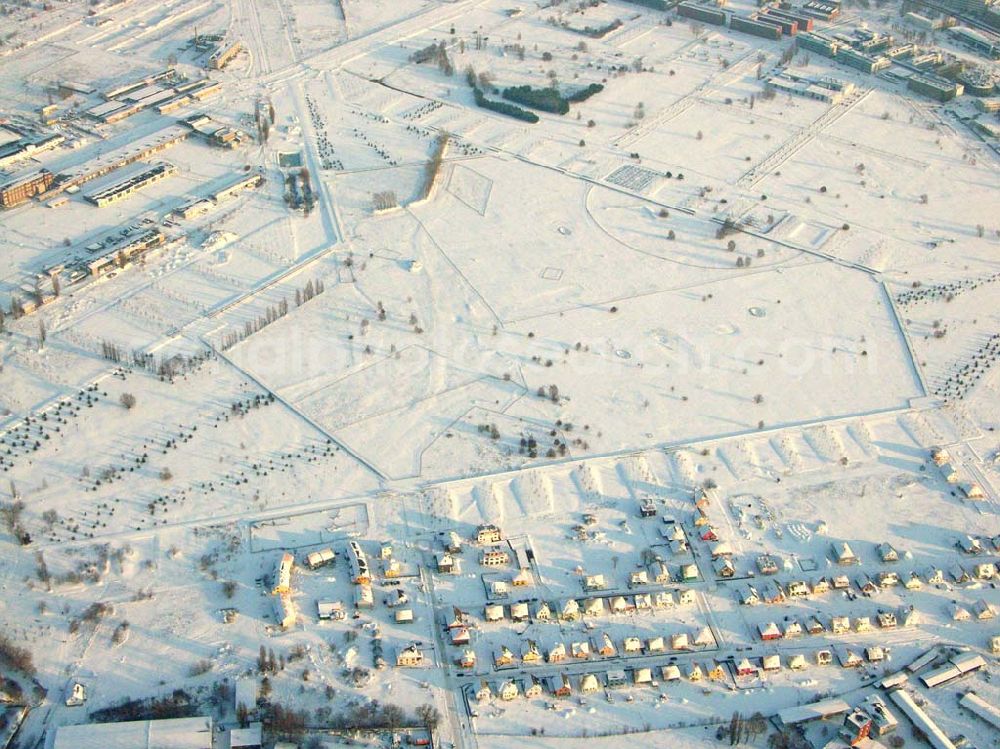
point(886, 619)
point(556, 653)
point(724, 567)
point(468, 658)
point(793, 629)
point(767, 564)
point(686, 597)
point(814, 626)
point(874, 654)
point(689, 572)
point(461, 636)
point(678, 641)
point(824, 657)
point(484, 693)
point(607, 648)
point(643, 601)
point(844, 554)
point(409, 657)
point(983, 610)
point(570, 611)
point(638, 578)
point(531, 653)
point(505, 657)
point(494, 558)
point(797, 589)
point(663, 599)
point(508, 690)
point(655, 645)
point(593, 607)
point(642, 676)
point(488, 534)
point(519, 612)
point(863, 624)
point(493, 612)
point(797, 662)
point(695, 672)
point(632, 645)
point(771, 662)
point(589, 684)
point(533, 688)
point(594, 582)
point(580, 649)
point(840, 624)
point(745, 668)
point(704, 638)
point(887, 553)
point(769, 631)
point(616, 679)
point(671, 672)
point(543, 613)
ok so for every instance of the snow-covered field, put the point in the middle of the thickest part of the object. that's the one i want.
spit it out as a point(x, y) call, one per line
point(431, 316)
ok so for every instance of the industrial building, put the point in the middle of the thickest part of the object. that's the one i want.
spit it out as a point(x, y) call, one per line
point(249, 182)
point(127, 187)
point(955, 668)
point(819, 43)
point(862, 61)
point(22, 190)
point(984, 43)
point(172, 733)
point(978, 81)
point(804, 23)
point(223, 54)
point(935, 736)
point(980, 707)
point(829, 90)
point(702, 13)
point(118, 255)
point(934, 86)
point(26, 147)
point(756, 28)
point(120, 157)
point(825, 11)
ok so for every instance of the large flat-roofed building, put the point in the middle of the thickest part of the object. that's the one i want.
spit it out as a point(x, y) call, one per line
point(819, 43)
point(223, 54)
point(982, 42)
point(702, 13)
point(935, 87)
point(22, 190)
point(119, 157)
point(130, 185)
point(174, 733)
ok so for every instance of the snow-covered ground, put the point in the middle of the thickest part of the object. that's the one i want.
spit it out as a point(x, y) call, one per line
point(681, 283)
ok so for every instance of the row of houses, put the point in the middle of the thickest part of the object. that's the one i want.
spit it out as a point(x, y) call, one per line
point(940, 456)
point(573, 610)
point(906, 616)
point(605, 647)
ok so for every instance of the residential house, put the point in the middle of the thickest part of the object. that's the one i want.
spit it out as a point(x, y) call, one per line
point(283, 575)
point(562, 686)
point(797, 662)
point(671, 672)
point(908, 616)
point(689, 572)
point(821, 586)
point(772, 593)
point(531, 653)
point(984, 570)
point(840, 624)
point(797, 589)
point(840, 582)
point(616, 679)
point(849, 659)
point(593, 607)
point(493, 612)
point(607, 648)
point(543, 613)
point(570, 611)
point(746, 668)
point(321, 558)
point(643, 601)
point(863, 624)
point(508, 690)
point(647, 508)
point(533, 689)
point(960, 574)
point(935, 576)
point(504, 658)
point(913, 582)
point(488, 534)
point(659, 572)
point(708, 533)
point(695, 672)
point(769, 631)
point(589, 684)
point(814, 626)
point(483, 694)
point(749, 596)
point(494, 558)
point(557, 653)
point(468, 659)
point(887, 553)
point(767, 564)
point(678, 641)
point(446, 564)
point(403, 616)
point(844, 554)
point(686, 597)
point(580, 650)
point(519, 612)
point(722, 549)
point(638, 578)
point(461, 636)
point(522, 578)
point(793, 629)
point(499, 589)
point(874, 654)
point(824, 657)
point(618, 605)
point(886, 619)
point(452, 543)
point(655, 645)
point(632, 645)
point(663, 599)
point(959, 613)
point(724, 567)
point(867, 586)
point(983, 610)
point(970, 545)
point(409, 657)
point(717, 672)
point(771, 663)
point(704, 638)
point(887, 579)
point(642, 676)
point(594, 582)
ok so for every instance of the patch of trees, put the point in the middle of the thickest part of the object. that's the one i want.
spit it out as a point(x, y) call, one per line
point(546, 99)
point(597, 32)
point(434, 165)
point(584, 93)
point(177, 705)
point(654, 4)
point(503, 107)
point(15, 657)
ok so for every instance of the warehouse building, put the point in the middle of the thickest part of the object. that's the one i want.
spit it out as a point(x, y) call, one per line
point(120, 157)
point(22, 190)
point(756, 28)
point(172, 733)
point(934, 86)
point(223, 54)
point(986, 44)
point(129, 186)
point(702, 13)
